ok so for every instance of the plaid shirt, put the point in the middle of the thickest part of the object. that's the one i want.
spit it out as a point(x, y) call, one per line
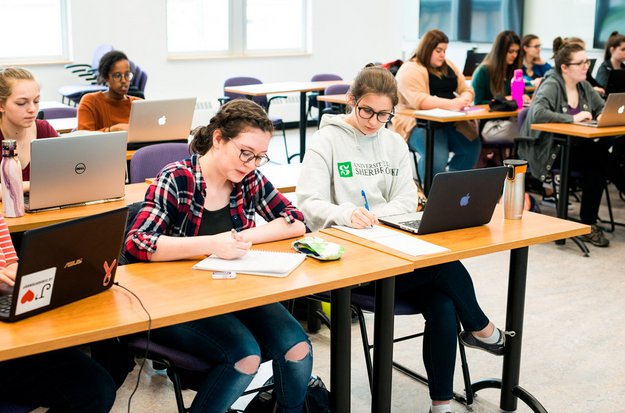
point(174, 203)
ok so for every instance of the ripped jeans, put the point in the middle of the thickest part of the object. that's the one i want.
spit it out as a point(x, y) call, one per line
point(269, 332)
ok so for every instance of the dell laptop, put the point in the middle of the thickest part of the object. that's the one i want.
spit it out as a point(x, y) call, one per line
point(63, 263)
point(613, 112)
point(76, 170)
point(458, 199)
point(164, 120)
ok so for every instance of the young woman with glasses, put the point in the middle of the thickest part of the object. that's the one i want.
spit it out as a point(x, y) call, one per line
point(427, 81)
point(564, 96)
point(534, 67)
point(356, 170)
point(206, 205)
point(614, 57)
point(108, 111)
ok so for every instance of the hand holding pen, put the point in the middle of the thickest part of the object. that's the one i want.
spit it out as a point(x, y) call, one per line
point(362, 217)
point(462, 102)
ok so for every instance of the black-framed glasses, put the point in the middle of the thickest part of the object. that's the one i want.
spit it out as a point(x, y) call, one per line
point(118, 76)
point(247, 156)
point(367, 113)
point(582, 63)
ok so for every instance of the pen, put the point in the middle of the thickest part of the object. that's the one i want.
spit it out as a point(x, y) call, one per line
point(364, 196)
point(456, 94)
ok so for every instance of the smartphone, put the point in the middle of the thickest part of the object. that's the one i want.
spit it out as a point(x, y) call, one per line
point(224, 275)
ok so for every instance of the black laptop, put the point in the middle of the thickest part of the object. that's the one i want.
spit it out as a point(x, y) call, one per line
point(458, 199)
point(616, 82)
point(63, 263)
point(474, 59)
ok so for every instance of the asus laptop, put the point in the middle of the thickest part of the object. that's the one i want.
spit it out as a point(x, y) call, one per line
point(164, 120)
point(63, 263)
point(76, 170)
point(613, 112)
point(459, 199)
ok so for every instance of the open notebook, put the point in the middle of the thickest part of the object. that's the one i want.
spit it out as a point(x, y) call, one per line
point(255, 262)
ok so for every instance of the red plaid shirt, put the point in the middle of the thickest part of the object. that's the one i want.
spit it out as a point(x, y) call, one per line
point(174, 203)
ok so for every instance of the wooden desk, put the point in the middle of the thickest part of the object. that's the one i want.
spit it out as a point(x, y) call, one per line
point(134, 193)
point(173, 293)
point(428, 122)
point(129, 154)
point(340, 99)
point(63, 125)
point(287, 87)
point(498, 235)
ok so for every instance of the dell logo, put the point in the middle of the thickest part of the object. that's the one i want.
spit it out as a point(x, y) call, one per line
point(80, 168)
point(73, 263)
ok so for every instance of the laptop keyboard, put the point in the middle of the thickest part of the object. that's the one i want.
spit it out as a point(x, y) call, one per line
point(412, 224)
point(5, 304)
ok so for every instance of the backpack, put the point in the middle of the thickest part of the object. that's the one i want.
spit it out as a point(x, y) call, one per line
point(317, 399)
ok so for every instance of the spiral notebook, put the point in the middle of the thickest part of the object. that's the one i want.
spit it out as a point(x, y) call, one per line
point(255, 262)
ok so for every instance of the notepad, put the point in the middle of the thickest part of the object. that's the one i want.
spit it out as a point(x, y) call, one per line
point(255, 262)
point(439, 113)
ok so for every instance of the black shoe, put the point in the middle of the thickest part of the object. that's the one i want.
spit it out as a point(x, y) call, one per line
point(596, 237)
point(469, 340)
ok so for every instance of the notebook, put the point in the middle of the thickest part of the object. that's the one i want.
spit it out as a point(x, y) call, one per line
point(76, 170)
point(613, 112)
point(160, 120)
point(255, 262)
point(616, 82)
point(440, 113)
point(63, 263)
point(458, 199)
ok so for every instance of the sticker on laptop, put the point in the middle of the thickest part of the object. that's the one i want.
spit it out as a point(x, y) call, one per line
point(35, 290)
point(108, 272)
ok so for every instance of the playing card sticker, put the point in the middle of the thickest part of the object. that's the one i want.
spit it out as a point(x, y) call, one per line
point(35, 290)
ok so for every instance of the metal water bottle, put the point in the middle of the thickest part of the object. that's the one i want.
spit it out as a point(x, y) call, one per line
point(12, 188)
point(514, 189)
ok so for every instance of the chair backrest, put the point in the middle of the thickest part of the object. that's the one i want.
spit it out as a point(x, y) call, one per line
point(57, 113)
point(335, 90)
point(140, 79)
point(100, 51)
point(242, 80)
point(325, 76)
point(148, 161)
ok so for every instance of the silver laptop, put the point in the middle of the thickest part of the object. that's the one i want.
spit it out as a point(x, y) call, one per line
point(613, 113)
point(76, 170)
point(160, 120)
point(459, 199)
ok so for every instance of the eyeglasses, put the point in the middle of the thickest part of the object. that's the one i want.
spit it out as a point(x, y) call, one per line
point(582, 63)
point(246, 156)
point(368, 113)
point(118, 76)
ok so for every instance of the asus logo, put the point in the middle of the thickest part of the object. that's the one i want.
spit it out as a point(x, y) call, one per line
point(73, 263)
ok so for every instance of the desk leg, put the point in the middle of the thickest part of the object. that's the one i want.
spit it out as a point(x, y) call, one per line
point(302, 125)
point(565, 166)
point(383, 345)
point(429, 157)
point(340, 350)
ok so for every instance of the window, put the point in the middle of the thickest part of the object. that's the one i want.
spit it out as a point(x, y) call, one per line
point(37, 29)
point(205, 28)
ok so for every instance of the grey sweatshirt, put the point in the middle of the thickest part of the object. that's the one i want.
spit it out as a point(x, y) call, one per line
point(341, 161)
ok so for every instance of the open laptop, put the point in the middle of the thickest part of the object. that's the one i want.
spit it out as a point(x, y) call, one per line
point(63, 263)
point(76, 170)
point(163, 120)
point(616, 82)
point(459, 199)
point(613, 112)
point(472, 62)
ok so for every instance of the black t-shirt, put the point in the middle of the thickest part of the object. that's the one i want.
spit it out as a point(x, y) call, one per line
point(443, 87)
point(215, 222)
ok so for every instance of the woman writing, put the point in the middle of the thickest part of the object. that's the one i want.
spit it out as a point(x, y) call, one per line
point(193, 208)
point(428, 80)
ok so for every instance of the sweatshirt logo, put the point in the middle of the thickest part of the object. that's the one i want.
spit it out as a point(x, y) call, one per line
point(345, 169)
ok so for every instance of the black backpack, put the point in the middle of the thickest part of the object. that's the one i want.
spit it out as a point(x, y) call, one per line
point(317, 399)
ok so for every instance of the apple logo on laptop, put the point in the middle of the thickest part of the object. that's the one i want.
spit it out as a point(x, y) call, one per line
point(621, 109)
point(162, 120)
point(464, 201)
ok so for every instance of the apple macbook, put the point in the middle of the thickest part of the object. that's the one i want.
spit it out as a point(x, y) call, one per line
point(163, 120)
point(458, 199)
point(63, 263)
point(76, 170)
point(613, 112)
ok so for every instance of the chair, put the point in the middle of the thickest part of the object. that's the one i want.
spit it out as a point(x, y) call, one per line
point(333, 108)
point(261, 100)
point(312, 97)
point(140, 79)
point(148, 161)
point(88, 73)
point(57, 113)
point(8, 407)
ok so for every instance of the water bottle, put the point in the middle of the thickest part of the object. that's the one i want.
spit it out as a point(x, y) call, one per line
point(514, 189)
point(517, 87)
point(12, 188)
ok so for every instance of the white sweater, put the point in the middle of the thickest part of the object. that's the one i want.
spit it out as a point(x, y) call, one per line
point(341, 161)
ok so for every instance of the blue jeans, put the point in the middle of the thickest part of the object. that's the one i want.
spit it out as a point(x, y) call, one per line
point(441, 293)
point(446, 139)
point(269, 331)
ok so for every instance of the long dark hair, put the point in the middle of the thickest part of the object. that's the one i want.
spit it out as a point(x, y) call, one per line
point(425, 48)
point(614, 40)
point(498, 70)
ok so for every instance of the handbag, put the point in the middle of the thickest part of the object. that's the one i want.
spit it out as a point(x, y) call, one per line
point(501, 104)
point(500, 130)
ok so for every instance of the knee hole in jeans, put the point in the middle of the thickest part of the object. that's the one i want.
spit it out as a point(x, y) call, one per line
point(298, 352)
point(248, 365)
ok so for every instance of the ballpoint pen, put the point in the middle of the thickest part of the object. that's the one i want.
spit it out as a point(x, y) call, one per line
point(364, 196)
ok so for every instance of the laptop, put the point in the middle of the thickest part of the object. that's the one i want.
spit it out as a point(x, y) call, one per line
point(63, 263)
point(472, 62)
point(613, 112)
point(459, 199)
point(163, 120)
point(76, 170)
point(616, 82)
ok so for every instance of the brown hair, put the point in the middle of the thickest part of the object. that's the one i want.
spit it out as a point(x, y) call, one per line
point(376, 80)
point(525, 42)
point(233, 118)
point(613, 41)
point(423, 55)
point(498, 70)
point(564, 52)
point(7, 76)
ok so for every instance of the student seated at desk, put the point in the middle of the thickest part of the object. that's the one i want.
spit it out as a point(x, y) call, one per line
point(206, 205)
point(534, 67)
point(19, 106)
point(614, 58)
point(65, 380)
point(108, 111)
point(564, 96)
point(427, 81)
point(344, 159)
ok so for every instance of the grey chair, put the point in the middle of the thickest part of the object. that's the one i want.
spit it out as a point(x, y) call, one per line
point(88, 73)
